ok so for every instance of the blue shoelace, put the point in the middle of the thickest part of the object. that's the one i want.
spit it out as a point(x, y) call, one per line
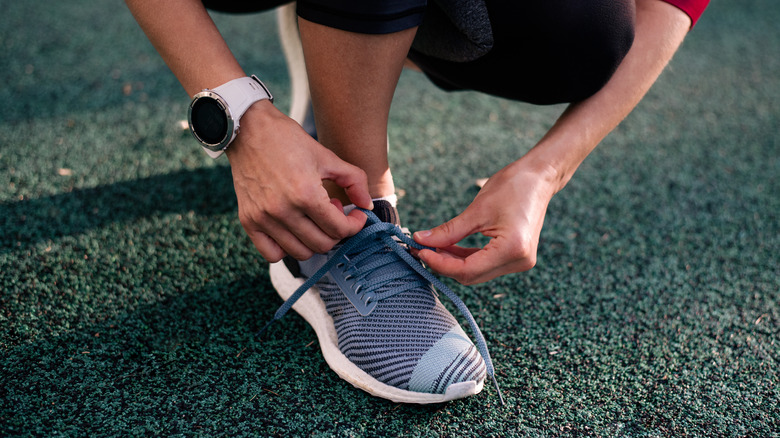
point(377, 238)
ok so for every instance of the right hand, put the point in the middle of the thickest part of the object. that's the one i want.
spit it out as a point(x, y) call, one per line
point(278, 171)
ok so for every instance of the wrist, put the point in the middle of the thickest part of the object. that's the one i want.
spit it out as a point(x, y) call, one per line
point(545, 171)
point(554, 161)
point(258, 116)
point(215, 114)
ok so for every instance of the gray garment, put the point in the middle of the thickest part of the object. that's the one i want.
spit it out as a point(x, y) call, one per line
point(455, 30)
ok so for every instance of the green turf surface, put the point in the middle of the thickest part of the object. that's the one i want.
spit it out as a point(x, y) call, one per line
point(129, 295)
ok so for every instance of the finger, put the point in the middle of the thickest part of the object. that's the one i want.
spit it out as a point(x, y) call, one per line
point(443, 263)
point(312, 236)
point(454, 250)
point(288, 241)
point(267, 247)
point(476, 267)
point(448, 233)
point(331, 220)
point(357, 220)
point(459, 251)
point(350, 178)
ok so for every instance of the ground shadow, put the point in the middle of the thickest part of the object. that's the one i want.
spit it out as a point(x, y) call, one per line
point(29, 221)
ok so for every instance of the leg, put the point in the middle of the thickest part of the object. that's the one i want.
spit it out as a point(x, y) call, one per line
point(352, 89)
point(379, 323)
point(544, 52)
point(300, 110)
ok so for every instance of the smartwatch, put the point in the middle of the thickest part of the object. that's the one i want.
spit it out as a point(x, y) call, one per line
point(214, 115)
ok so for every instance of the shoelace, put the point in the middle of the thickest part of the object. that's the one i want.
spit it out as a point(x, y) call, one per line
point(378, 237)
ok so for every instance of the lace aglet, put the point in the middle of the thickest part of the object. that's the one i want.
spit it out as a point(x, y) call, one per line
point(498, 390)
point(262, 330)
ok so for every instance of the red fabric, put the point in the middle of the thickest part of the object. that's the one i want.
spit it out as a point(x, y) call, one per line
point(694, 8)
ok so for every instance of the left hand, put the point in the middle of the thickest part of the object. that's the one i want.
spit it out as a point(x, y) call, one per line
point(511, 206)
point(510, 209)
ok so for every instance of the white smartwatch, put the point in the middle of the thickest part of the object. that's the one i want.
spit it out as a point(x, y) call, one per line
point(214, 115)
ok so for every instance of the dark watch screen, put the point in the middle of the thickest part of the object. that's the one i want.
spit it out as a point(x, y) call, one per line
point(209, 120)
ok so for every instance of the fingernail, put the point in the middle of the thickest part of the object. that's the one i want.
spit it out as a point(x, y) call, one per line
point(423, 234)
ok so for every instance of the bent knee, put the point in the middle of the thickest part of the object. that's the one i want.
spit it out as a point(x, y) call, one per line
point(545, 51)
point(583, 45)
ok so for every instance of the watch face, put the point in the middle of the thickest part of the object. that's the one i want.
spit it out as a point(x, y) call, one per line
point(209, 120)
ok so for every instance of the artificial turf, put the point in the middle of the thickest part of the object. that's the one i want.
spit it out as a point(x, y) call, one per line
point(130, 297)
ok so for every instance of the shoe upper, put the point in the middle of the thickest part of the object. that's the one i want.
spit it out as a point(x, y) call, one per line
point(388, 317)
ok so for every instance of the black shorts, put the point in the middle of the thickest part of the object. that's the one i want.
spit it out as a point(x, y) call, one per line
point(537, 51)
point(351, 15)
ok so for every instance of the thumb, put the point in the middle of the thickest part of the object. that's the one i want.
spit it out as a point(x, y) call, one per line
point(446, 234)
point(351, 178)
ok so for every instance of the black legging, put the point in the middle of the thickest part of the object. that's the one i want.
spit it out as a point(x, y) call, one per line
point(544, 51)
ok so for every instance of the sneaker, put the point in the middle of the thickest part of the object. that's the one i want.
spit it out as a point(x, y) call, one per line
point(379, 321)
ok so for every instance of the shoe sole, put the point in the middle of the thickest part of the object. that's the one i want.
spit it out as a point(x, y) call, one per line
point(311, 307)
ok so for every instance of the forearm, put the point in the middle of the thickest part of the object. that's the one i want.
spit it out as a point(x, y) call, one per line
point(660, 29)
point(188, 41)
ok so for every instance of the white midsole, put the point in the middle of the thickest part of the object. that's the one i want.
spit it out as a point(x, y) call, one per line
point(311, 307)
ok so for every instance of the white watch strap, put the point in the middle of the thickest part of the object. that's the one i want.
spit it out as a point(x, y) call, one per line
point(240, 94)
point(213, 154)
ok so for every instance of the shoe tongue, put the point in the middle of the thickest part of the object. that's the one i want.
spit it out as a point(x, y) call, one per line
point(386, 212)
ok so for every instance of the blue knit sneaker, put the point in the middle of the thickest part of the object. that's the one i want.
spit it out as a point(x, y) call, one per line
point(378, 318)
